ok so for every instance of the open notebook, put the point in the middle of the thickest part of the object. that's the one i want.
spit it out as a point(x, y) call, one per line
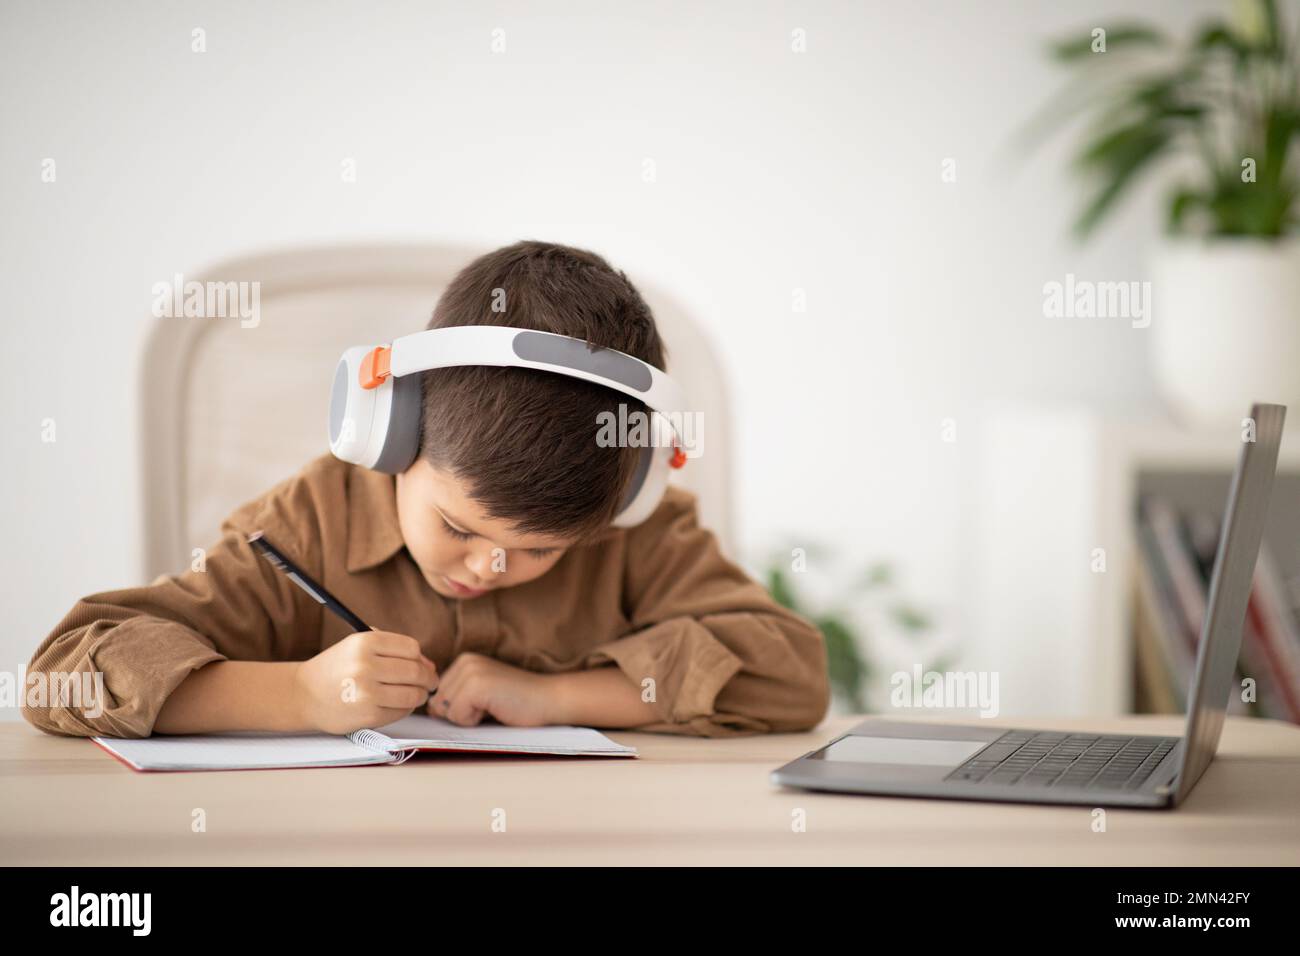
point(392, 744)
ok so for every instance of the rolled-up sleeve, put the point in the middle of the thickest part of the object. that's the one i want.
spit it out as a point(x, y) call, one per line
point(714, 654)
point(109, 666)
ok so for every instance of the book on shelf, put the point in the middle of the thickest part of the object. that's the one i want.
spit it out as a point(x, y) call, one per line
point(1176, 549)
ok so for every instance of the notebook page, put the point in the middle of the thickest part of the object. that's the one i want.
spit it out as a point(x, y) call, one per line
point(240, 751)
point(433, 733)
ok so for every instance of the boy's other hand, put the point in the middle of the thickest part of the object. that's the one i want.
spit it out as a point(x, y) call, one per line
point(476, 686)
point(368, 679)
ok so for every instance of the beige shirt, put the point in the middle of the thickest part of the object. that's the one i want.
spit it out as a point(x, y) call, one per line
point(659, 601)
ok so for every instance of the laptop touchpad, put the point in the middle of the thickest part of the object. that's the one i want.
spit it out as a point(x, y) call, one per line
point(902, 750)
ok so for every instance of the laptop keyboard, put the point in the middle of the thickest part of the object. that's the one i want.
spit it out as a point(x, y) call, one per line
point(1039, 759)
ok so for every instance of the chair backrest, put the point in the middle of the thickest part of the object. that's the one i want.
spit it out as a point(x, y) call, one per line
point(230, 408)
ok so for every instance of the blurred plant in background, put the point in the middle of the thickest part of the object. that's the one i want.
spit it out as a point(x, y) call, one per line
point(841, 612)
point(1227, 102)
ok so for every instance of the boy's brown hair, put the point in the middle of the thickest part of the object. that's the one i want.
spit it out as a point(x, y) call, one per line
point(523, 440)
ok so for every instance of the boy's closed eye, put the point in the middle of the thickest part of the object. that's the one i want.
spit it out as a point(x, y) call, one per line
point(459, 535)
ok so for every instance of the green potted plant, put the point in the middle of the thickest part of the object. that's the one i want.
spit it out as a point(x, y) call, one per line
point(1218, 114)
point(837, 609)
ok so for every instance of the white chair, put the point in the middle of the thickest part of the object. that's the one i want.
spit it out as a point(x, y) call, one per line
point(230, 411)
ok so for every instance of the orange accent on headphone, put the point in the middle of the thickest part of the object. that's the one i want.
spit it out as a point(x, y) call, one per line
point(374, 367)
point(679, 457)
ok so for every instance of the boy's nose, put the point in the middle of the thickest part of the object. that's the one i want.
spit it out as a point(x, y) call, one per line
point(480, 565)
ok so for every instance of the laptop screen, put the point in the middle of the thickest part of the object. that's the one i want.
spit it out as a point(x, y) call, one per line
point(1230, 584)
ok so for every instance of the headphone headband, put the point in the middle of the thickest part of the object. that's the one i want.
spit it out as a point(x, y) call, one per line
point(376, 406)
point(545, 351)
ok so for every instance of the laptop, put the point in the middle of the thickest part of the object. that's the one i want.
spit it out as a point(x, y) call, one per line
point(904, 759)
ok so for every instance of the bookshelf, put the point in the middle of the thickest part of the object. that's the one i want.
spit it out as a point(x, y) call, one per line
point(1045, 488)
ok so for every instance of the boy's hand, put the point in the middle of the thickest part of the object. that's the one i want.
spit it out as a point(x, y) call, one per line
point(475, 687)
point(368, 679)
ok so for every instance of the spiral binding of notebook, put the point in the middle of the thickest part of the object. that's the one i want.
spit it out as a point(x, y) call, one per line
point(379, 743)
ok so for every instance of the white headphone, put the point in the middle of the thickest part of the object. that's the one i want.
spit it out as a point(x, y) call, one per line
point(376, 407)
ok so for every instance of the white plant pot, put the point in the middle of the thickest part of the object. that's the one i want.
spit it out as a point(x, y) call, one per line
point(1226, 327)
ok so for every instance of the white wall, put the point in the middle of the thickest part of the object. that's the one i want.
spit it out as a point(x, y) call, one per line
point(776, 171)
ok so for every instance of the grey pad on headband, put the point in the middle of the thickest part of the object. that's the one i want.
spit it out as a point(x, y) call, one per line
point(570, 353)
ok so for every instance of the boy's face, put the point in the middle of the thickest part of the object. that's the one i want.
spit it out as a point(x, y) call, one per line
point(462, 552)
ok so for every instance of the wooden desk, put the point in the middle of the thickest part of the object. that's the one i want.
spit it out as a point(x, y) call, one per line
point(684, 801)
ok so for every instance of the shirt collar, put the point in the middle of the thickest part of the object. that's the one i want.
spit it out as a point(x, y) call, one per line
point(374, 534)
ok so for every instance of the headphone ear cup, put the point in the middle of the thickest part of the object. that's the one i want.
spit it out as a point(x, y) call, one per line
point(646, 488)
point(402, 438)
point(378, 427)
point(352, 410)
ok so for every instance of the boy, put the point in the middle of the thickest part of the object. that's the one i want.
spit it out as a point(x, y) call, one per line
point(490, 566)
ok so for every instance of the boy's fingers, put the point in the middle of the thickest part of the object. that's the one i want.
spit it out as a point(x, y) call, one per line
point(402, 696)
point(464, 713)
point(388, 644)
point(465, 702)
point(441, 701)
point(449, 684)
point(429, 680)
point(450, 675)
point(398, 670)
point(390, 714)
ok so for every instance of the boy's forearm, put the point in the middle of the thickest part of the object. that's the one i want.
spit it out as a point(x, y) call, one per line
point(601, 697)
point(234, 695)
